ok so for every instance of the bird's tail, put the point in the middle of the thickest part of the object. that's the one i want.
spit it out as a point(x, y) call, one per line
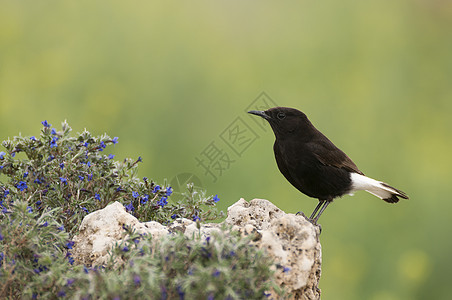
point(378, 188)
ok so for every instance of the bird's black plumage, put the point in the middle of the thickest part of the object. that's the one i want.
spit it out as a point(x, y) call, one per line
point(314, 165)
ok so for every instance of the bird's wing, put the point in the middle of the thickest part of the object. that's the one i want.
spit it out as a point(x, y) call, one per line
point(328, 154)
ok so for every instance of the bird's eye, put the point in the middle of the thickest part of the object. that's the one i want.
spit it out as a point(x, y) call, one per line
point(281, 115)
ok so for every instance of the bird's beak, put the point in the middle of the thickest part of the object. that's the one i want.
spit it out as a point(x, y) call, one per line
point(259, 113)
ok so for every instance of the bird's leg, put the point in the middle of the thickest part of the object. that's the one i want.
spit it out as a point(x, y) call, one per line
point(316, 209)
point(325, 205)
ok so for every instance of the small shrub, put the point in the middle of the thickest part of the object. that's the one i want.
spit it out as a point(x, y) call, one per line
point(77, 175)
point(49, 183)
point(224, 266)
point(31, 245)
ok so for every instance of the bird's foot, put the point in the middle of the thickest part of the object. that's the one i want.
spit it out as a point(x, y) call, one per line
point(320, 228)
point(314, 222)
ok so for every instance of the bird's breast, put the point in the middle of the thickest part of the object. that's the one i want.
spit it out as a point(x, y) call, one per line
point(306, 173)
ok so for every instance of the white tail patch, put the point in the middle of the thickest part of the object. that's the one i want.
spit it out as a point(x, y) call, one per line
point(375, 187)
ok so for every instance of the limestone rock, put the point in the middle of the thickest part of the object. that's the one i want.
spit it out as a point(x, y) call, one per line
point(290, 239)
point(257, 212)
point(100, 230)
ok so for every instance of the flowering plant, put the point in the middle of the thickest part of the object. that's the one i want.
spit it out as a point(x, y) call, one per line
point(50, 182)
point(77, 175)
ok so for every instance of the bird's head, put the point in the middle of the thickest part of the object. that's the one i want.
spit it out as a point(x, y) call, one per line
point(285, 121)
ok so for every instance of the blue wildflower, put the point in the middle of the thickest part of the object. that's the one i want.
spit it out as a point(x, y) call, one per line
point(102, 146)
point(37, 181)
point(53, 143)
point(175, 216)
point(70, 244)
point(144, 199)
point(29, 209)
point(45, 224)
point(125, 249)
point(156, 189)
point(163, 293)
point(2, 154)
point(286, 269)
point(139, 159)
point(216, 273)
point(86, 144)
point(216, 198)
point(22, 185)
point(51, 157)
point(1, 237)
point(115, 140)
point(33, 138)
point(169, 191)
point(145, 179)
point(81, 177)
point(62, 166)
point(90, 177)
point(63, 180)
point(129, 207)
point(97, 197)
point(136, 279)
point(25, 174)
point(181, 293)
point(46, 124)
point(61, 228)
point(163, 201)
point(111, 156)
point(135, 195)
point(53, 131)
point(70, 281)
point(84, 209)
point(196, 218)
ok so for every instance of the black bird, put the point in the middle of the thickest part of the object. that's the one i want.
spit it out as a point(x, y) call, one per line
point(314, 165)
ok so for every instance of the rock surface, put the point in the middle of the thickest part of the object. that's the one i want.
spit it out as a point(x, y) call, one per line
point(290, 239)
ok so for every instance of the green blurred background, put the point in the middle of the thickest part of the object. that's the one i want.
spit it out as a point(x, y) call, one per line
point(169, 78)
